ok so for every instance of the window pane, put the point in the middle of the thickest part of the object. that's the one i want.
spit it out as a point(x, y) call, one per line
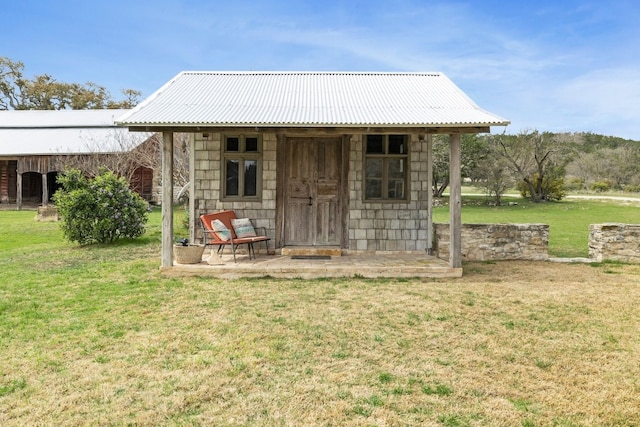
point(396, 168)
point(397, 144)
point(251, 145)
point(395, 189)
point(232, 178)
point(373, 189)
point(233, 144)
point(373, 168)
point(250, 177)
point(375, 144)
point(396, 178)
point(373, 181)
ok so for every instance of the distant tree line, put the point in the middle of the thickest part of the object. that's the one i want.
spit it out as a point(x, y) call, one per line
point(43, 92)
point(541, 165)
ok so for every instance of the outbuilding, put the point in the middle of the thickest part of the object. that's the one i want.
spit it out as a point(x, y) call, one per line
point(320, 159)
point(36, 145)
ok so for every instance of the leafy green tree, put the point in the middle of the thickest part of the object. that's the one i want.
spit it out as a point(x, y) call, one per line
point(43, 92)
point(100, 209)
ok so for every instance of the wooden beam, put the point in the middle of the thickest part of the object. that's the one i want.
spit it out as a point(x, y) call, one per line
point(281, 182)
point(167, 199)
point(19, 191)
point(194, 219)
point(45, 189)
point(344, 191)
point(429, 142)
point(455, 202)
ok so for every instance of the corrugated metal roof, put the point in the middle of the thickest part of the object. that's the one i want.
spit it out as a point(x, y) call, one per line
point(38, 132)
point(309, 99)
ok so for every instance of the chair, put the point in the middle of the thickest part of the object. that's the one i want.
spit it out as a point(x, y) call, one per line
point(218, 229)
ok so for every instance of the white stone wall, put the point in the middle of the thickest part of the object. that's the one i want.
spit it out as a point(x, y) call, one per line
point(616, 242)
point(388, 226)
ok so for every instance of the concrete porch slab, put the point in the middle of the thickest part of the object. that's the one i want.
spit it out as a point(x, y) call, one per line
point(388, 265)
point(312, 250)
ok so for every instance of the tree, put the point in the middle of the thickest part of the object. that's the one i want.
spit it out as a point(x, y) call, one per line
point(100, 209)
point(473, 150)
point(536, 159)
point(124, 152)
point(43, 92)
point(494, 178)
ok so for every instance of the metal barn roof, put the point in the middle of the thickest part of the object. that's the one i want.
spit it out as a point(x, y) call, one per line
point(309, 99)
point(40, 132)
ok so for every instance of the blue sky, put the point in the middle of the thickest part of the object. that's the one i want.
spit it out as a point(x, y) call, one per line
point(558, 65)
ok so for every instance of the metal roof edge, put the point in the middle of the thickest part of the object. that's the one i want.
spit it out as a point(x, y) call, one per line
point(121, 121)
point(281, 72)
point(205, 126)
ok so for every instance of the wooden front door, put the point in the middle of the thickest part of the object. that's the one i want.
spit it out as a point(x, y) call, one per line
point(313, 207)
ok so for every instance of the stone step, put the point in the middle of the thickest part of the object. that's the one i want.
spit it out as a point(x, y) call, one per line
point(312, 251)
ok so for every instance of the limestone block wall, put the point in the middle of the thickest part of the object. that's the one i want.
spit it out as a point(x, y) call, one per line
point(388, 226)
point(207, 183)
point(613, 241)
point(484, 242)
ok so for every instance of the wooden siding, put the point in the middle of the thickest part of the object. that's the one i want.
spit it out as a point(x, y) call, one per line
point(8, 183)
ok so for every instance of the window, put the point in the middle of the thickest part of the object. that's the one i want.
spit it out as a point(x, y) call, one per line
point(386, 159)
point(242, 167)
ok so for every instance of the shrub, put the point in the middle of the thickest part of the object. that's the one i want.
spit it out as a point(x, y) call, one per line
point(632, 188)
point(99, 210)
point(600, 186)
point(550, 188)
point(574, 184)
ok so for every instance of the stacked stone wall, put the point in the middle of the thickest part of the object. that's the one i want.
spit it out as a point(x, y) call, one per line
point(485, 242)
point(615, 242)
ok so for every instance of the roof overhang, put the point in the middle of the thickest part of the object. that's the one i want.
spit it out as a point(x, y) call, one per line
point(293, 101)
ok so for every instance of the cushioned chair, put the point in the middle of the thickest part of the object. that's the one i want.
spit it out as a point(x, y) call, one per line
point(225, 229)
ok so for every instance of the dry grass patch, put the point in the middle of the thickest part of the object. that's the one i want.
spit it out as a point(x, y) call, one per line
point(510, 343)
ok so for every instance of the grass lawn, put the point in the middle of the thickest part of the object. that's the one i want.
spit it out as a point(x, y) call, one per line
point(97, 336)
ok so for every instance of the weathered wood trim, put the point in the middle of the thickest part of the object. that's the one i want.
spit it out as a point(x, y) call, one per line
point(429, 143)
point(194, 219)
point(455, 202)
point(316, 131)
point(281, 185)
point(45, 189)
point(167, 199)
point(344, 193)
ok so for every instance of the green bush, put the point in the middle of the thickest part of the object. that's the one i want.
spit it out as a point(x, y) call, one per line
point(574, 184)
point(99, 210)
point(549, 189)
point(600, 186)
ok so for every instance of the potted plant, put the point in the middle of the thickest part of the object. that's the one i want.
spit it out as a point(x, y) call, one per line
point(188, 253)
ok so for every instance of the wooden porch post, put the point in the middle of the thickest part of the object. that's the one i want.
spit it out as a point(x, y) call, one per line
point(19, 191)
point(455, 202)
point(167, 199)
point(45, 190)
point(429, 142)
